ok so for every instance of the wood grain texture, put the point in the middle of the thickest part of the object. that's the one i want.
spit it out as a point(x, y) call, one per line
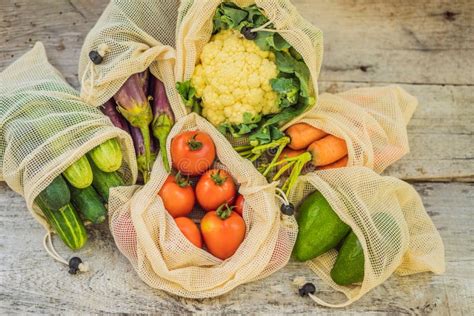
point(60, 25)
point(427, 46)
point(32, 282)
point(401, 41)
point(441, 132)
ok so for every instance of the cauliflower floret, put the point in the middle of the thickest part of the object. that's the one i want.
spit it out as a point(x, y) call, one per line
point(232, 78)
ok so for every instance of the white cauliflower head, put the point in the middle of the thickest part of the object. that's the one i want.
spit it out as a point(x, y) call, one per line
point(233, 77)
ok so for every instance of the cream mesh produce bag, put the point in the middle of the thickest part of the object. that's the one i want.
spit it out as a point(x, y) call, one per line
point(163, 258)
point(388, 218)
point(45, 127)
point(372, 121)
point(131, 36)
point(195, 27)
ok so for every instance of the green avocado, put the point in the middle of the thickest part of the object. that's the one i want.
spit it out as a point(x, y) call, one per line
point(349, 265)
point(320, 229)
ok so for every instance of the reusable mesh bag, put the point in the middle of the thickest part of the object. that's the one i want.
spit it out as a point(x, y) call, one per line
point(45, 127)
point(372, 121)
point(194, 29)
point(131, 36)
point(388, 218)
point(164, 259)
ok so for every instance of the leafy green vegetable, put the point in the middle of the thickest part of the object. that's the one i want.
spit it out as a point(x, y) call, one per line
point(263, 40)
point(279, 43)
point(287, 89)
point(295, 54)
point(288, 64)
point(302, 72)
point(230, 16)
point(188, 95)
point(250, 123)
point(284, 62)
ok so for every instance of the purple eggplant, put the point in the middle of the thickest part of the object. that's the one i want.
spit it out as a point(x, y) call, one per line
point(109, 108)
point(139, 145)
point(144, 76)
point(133, 104)
point(163, 117)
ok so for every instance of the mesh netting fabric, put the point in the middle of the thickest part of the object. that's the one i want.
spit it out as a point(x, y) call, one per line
point(133, 36)
point(148, 236)
point(389, 219)
point(45, 127)
point(373, 122)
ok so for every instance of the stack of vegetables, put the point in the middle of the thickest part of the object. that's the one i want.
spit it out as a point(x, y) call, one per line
point(249, 82)
point(81, 192)
point(320, 230)
point(303, 148)
point(222, 227)
point(130, 110)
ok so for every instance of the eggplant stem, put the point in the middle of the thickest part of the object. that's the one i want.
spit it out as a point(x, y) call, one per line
point(163, 153)
point(147, 143)
point(146, 176)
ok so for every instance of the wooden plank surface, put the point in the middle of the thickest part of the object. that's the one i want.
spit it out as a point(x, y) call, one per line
point(32, 282)
point(440, 133)
point(404, 41)
point(426, 46)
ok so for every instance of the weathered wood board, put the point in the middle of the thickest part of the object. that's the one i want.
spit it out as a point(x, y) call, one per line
point(32, 282)
point(426, 46)
point(441, 132)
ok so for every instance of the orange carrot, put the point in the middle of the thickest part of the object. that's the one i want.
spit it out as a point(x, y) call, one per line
point(327, 150)
point(338, 164)
point(302, 135)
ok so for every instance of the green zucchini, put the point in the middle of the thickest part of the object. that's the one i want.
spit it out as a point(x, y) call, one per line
point(66, 223)
point(56, 194)
point(107, 156)
point(103, 181)
point(79, 174)
point(88, 202)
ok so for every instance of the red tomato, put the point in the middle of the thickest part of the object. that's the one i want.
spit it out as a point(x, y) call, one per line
point(189, 230)
point(223, 232)
point(239, 204)
point(178, 196)
point(214, 188)
point(192, 152)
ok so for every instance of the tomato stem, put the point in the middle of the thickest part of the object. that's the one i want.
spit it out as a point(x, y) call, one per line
point(217, 178)
point(194, 144)
point(224, 211)
point(181, 181)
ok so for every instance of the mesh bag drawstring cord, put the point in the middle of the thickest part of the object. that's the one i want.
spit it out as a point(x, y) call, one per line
point(102, 50)
point(52, 252)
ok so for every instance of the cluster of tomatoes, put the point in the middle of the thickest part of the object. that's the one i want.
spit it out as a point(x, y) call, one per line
point(222, 227)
